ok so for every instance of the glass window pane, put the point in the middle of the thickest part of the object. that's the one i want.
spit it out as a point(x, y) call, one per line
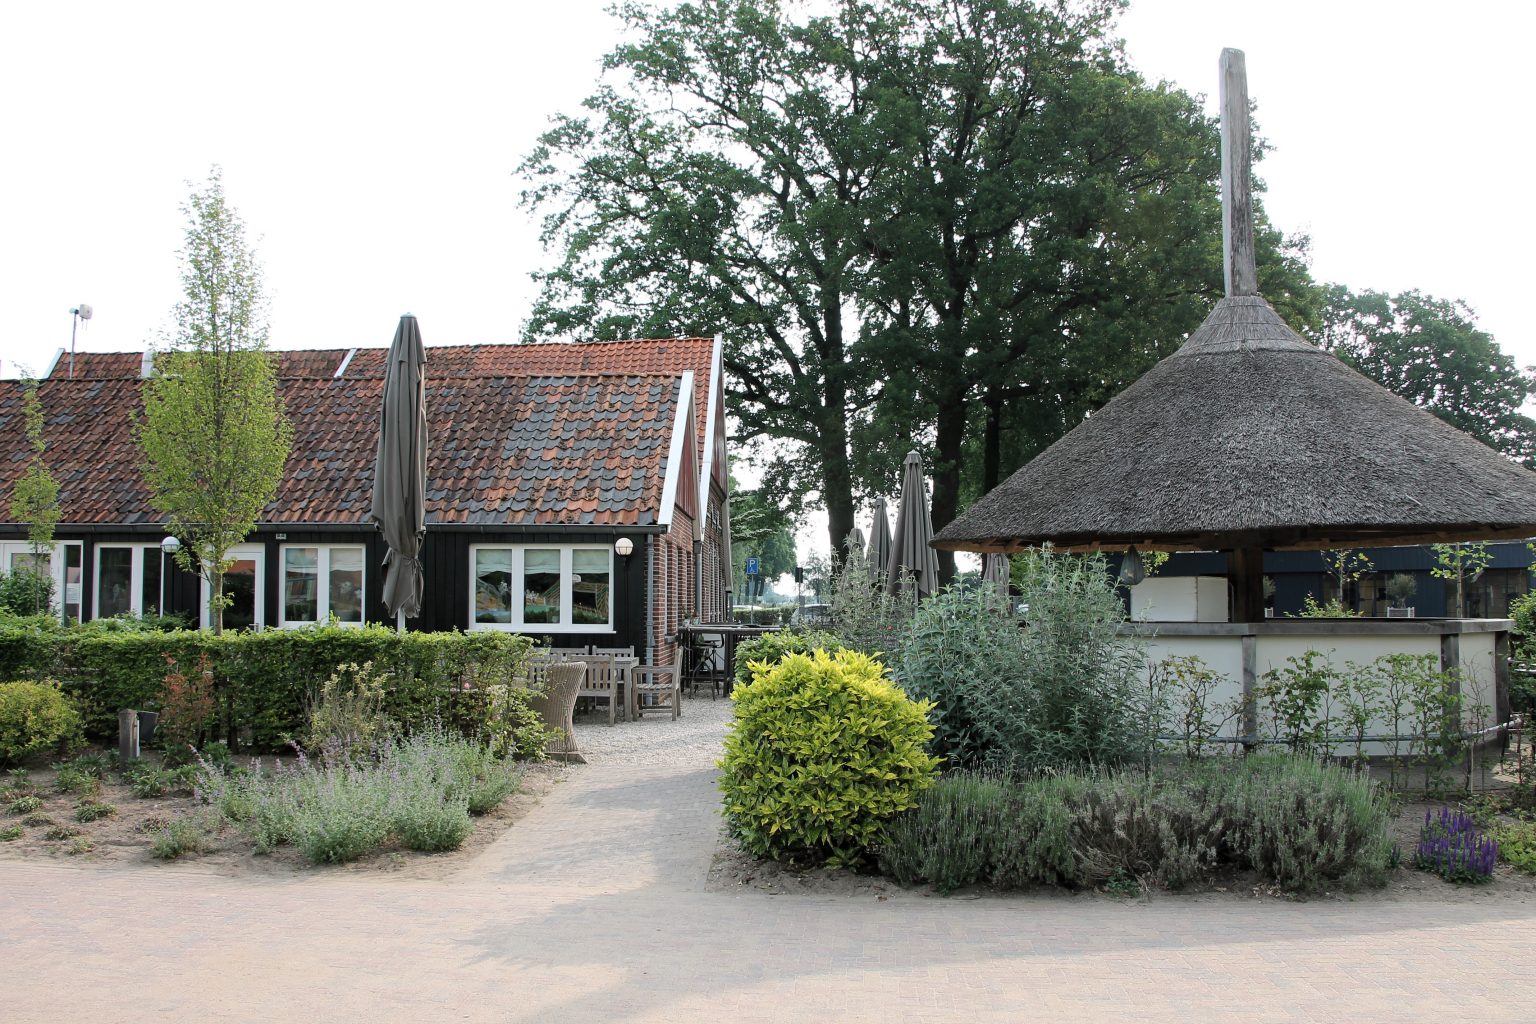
point(74, 560)
point(346, 584)
point(590, 586)
point(114, 583)
point(240, 589)
point(493, 585)
point(301, 575)
point(541, 585)
point(149, 583)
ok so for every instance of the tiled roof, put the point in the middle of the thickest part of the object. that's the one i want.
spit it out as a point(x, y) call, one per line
point(642, 356)
point(514, 449)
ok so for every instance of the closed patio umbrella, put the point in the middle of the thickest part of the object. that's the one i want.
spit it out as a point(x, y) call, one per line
point(855, 541)
point(400, 472)
point(910, 554)
point(879, 553)
point(995, 570)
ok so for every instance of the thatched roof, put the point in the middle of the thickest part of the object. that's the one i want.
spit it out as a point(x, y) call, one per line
point(1249, 436)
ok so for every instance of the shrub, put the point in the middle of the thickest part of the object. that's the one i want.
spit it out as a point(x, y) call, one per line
point(187, 707)
point(25, 592)
point(1517, 845)
point(1066, 690)
point(76, 780)
point(1299, 824)
point(59, 833)
point(770, 647)
point(346, 714)
point(37, 820)
point(1453, 847)
point(93, 810)
point(343, 814)
point(34, 718)
point(11, 833)
point(823, 749)
point(260, 681)
point(428, 823)
point(24, 805)
point(148, 782)
point(180, 836)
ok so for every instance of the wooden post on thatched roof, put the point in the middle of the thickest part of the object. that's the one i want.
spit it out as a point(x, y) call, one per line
point(1245, 566)
point(1242, 276)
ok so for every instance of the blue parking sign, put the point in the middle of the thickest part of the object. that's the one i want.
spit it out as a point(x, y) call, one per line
point(752, 566)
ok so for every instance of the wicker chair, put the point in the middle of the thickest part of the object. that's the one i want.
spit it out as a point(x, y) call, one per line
point(556, 684)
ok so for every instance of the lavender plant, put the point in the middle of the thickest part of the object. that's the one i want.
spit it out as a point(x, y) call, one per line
point(1455, 848)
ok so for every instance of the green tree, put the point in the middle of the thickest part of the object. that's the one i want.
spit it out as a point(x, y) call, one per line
point(1345, 566)
point(213, 434)
point(761, 530)
point(1431, 352)
point(1460, 565)
point(921, 224)
point(35, 501)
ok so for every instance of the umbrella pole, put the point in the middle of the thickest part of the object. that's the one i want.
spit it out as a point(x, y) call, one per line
point(400, 621)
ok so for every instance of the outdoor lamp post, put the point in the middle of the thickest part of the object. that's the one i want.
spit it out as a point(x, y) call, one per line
point(168, 547)
point(624, 547)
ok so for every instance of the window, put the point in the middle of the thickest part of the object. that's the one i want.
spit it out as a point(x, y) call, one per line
point(562, 589)
point(321, 581)
point(128, 580)
point(63, 563)
point(244, 588)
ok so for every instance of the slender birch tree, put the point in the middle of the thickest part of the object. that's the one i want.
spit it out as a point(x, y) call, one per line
point(213, 434)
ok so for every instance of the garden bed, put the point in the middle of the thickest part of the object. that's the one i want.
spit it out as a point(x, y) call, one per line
point(735, 870)
point(126, 836)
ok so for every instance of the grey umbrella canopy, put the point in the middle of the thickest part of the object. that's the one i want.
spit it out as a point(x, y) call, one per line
point(995, 569)
point(855, 541)
point(912, 557)
point(879, 553)
point(400, 472)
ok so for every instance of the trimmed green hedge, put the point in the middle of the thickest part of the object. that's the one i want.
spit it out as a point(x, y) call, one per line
point(262, 680)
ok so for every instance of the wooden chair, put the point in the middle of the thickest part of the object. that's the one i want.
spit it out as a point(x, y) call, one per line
point(614, 652)
point(663, 684)
point(555, 700)
point(602, 683)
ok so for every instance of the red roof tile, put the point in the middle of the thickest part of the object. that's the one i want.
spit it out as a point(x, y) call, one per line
point(517, 450)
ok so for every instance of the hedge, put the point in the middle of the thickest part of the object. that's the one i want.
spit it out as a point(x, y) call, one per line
point(263, 679)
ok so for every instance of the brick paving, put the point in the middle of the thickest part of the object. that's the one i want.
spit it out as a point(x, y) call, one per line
point(594, 908)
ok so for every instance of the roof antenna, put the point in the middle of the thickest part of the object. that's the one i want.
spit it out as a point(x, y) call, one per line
point(1242, 277)
point(80, 312)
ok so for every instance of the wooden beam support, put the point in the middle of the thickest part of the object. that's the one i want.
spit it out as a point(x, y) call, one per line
point(1245, 573)
point(1241, 271)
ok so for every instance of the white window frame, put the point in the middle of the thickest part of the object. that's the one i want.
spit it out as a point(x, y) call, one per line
point(566, 624)
point(322, 584)
point(258, 552)
point(9, 549)
point(135, 577)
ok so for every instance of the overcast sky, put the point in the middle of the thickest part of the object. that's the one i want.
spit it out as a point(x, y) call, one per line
point(370, 150)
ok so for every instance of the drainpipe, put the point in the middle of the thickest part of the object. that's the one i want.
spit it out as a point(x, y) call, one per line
point(698, 581)
point(650, 598)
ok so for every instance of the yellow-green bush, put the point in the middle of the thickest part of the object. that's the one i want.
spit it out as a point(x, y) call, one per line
point(822, 751)
point(35, 717)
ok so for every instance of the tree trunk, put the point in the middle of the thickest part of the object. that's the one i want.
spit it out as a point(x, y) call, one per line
point(216, 603)
point(992, 441)
point(949, 445)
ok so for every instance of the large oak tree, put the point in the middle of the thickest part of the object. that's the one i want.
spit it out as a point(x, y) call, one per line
point(954, 226)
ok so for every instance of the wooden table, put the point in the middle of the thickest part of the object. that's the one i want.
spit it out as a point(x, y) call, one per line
point(731, 633)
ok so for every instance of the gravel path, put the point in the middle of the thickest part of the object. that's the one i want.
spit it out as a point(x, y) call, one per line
point(693, 739)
